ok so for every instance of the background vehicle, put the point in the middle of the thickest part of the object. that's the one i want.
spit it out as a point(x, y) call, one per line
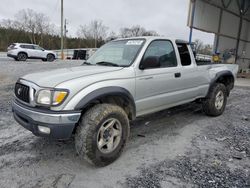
point(22, 52)
point(124, 79)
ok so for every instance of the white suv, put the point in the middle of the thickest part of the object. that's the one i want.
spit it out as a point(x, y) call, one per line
point(22, 51)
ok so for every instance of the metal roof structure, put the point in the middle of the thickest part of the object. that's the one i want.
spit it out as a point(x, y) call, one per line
point(229, 20)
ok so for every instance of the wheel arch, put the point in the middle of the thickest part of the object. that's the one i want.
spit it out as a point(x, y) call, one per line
point(114, 95)
point(23, 53)
point(50, 54)
point(224, 77)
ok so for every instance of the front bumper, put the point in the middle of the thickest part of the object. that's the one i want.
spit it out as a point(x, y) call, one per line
point(61, 124)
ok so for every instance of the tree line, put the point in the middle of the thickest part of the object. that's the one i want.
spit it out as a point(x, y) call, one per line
point(29, 26)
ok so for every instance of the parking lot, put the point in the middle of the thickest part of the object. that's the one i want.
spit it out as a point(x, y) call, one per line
point(179, 147)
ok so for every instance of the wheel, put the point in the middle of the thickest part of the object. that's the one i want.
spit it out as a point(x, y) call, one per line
point(50, 57)
point(22, 56)
point(102, 134)
point(215, 103)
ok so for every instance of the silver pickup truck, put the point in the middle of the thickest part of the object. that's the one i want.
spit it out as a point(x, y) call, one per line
point(124, 79)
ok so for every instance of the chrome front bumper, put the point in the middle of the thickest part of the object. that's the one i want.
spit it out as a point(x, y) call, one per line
point(61, 123)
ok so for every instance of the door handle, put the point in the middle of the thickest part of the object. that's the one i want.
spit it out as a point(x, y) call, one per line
point(177, 75)
point(147, 78)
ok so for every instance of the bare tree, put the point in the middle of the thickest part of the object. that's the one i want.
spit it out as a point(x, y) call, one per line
point(35, 24)
point(198, 45)
point(201, 48)
point(95, 31)
point(112, 36)
point(136, 31)
point(7, 23)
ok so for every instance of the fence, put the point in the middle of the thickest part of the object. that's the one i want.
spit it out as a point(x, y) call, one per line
point(68, 53)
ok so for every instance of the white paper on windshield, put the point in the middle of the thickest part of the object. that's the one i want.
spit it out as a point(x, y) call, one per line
point(134, 42)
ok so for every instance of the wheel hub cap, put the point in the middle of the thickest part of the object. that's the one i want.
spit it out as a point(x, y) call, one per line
point(109, 135)
point(219, 100)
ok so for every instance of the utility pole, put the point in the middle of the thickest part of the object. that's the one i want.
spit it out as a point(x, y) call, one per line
point(62, 55)
point(65, 35)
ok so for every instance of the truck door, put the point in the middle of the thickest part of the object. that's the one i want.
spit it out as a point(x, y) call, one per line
point(155, 86)
point(193, 81)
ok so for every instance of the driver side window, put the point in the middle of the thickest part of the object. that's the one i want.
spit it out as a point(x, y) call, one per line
point(37, 48)
point(162, 53)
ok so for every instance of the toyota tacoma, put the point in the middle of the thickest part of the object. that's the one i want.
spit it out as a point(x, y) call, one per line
point(124, 79)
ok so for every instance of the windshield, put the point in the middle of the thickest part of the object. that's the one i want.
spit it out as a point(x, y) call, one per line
point(117, 53)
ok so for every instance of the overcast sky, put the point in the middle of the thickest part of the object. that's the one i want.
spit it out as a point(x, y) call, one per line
point(167, 17)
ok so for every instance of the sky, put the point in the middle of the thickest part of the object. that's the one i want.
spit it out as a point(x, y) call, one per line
point(166, 17)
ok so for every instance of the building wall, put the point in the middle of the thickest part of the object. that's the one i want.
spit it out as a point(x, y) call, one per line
point(211, 16)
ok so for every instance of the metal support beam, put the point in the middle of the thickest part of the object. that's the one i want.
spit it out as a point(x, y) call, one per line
point(193, 3)
point(219, 30)
point(241, 6)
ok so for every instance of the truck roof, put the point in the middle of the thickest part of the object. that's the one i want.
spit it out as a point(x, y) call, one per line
point(155, 38)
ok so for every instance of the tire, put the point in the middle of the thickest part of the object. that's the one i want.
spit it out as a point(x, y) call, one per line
point(215, 103)
point(44, 60)
point(22, 56)
point(90, 134)
point(50, 57)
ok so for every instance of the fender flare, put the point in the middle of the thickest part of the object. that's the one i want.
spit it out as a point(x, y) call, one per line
point(217, 77)
point(107, 91)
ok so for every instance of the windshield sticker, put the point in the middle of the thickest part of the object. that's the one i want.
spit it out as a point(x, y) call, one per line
point(134, 42)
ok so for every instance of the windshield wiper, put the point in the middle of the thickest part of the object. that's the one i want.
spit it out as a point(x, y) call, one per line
point(86, 63)
point(105, 63)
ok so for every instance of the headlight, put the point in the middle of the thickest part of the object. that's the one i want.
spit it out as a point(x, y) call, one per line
point(44, 97)
point(51, 97)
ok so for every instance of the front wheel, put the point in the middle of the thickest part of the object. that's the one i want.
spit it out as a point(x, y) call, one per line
point(50, 57)
point(102, 134)
point(215, 103)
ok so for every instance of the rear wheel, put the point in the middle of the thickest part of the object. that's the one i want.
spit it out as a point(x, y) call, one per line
point(215, 103)
point(22, 56)
point(102, 134)
point(50, 57)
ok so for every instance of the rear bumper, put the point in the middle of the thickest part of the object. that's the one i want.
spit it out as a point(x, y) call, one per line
point(60, 124)
point(11, 55)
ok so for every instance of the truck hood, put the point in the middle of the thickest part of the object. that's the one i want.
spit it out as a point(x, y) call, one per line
point(57, 76)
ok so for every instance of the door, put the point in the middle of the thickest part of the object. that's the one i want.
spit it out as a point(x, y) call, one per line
point(39, 52)
point(193, 80)
point(155, 86)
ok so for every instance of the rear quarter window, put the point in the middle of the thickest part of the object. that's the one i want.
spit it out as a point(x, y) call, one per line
point(12, 46)
point(184, 54)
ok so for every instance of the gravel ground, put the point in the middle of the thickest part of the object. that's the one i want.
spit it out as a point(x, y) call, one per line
point(179, 147)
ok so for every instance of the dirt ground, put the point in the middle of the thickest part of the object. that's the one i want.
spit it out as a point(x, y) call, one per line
point(179, 147)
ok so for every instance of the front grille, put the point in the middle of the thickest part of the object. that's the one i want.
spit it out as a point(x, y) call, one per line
point(22, 92)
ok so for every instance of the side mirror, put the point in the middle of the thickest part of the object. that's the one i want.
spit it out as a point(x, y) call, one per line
point(150, 62)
